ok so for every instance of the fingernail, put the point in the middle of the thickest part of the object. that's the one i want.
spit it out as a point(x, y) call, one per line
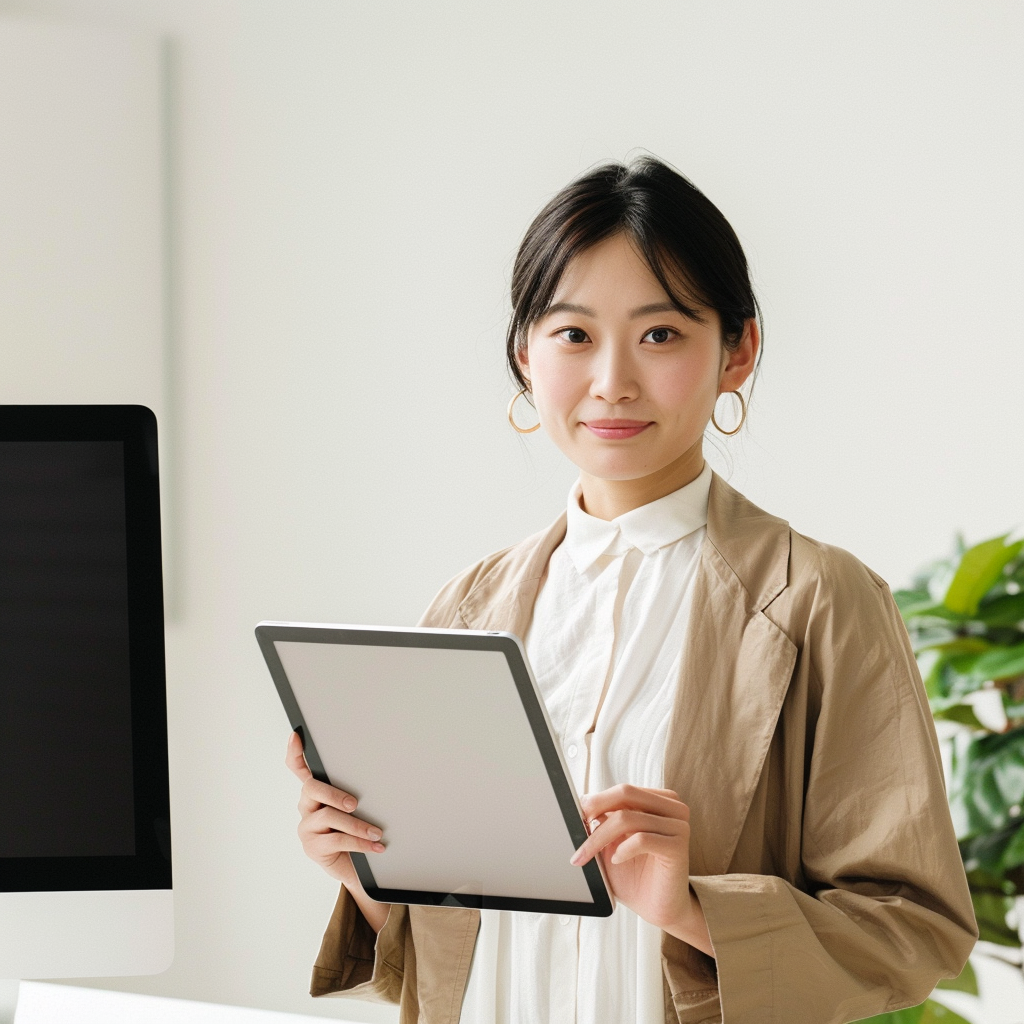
point(349, 804)
point(374, 833)
point(575, 858)
point(378, 847)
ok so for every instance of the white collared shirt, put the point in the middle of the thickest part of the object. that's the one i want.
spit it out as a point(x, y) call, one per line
point(605, 642)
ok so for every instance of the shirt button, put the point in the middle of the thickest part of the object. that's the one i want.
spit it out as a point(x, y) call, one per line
point(564, 919)
point(573, 750)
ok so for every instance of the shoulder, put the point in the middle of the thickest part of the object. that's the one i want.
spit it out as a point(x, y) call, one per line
point(833, 601)
point(828, 568)
point(443, 608)
point(489, 577)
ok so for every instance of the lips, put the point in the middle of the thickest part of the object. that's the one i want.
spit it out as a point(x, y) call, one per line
point(612, 430)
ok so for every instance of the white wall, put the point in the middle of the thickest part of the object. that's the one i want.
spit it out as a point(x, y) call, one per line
point(350, 184)
point(81, 207)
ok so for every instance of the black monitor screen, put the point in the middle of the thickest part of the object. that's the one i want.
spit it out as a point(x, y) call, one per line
point(65, 684)
point(84, 798)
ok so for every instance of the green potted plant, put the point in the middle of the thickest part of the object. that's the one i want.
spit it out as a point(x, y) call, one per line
point(965, 617)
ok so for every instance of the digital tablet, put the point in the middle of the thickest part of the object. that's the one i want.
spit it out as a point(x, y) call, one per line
point(443, 737)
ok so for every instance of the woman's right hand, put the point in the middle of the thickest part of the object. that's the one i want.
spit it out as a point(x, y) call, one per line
point(327, 828)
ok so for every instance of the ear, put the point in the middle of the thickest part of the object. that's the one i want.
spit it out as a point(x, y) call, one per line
point(739, 365)
point(523, 361)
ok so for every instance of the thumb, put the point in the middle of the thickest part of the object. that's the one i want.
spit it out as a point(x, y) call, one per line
point(295, 760)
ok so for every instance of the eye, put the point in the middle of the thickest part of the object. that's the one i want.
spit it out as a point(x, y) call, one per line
point(576, 335)
point(659, 335)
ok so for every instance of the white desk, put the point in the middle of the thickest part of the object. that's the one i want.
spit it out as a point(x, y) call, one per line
point(40, 1003)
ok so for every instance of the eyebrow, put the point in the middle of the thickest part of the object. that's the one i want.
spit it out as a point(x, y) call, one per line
point(651, 307)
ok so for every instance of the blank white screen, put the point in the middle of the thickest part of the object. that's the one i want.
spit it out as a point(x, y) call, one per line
point(438, 749)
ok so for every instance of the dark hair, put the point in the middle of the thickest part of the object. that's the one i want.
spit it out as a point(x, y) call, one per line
point(679, 232)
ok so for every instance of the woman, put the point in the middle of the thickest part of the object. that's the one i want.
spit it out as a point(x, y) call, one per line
point(738, 704)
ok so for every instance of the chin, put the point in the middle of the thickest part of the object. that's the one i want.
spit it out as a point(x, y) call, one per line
point(614, 470)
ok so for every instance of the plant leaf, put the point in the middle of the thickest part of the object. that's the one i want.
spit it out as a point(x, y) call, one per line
point(911, 1015)
point(965, 981)
point(990, 911)
point(964, 645)
point(987, 782)
point(1007, 610)
point(950, 709)
point(958, 675)
point(999, 663)
point(929, 608)
point(934, 659)
point(1014, 852)
point(906, 598)
point(925, 637)
point(985, 852)
point(979, 568)
point(928, 1012)
point(934, 1013)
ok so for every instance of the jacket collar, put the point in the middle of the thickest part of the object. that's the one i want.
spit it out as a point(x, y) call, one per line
point(735, 670)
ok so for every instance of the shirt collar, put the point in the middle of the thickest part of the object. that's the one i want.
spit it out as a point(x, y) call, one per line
point(648, 527)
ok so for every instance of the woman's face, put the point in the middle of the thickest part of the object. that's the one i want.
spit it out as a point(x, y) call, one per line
point(623, 382)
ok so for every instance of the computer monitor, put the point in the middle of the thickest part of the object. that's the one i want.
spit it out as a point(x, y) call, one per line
point(85, 841)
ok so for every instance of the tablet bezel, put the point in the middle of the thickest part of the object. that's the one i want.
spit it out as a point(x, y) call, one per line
point(150, 866)
point(268, 633)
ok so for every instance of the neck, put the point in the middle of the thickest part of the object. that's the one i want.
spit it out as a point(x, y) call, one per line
point(608, 499)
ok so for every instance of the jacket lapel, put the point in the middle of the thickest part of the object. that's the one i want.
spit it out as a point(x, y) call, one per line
point(734, 675)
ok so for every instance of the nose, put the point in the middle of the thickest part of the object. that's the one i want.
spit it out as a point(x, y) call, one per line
point(614, 375)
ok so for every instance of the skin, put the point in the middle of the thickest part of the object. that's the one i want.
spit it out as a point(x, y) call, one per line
point(610, 347)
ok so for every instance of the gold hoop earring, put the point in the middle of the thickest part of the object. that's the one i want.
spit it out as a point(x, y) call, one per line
point(522, 430)
point(743, 414)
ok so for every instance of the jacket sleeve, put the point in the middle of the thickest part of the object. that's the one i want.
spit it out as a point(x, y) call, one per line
point(354, 961)
point(886, 911)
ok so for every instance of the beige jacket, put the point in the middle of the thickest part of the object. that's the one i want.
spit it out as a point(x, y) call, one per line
point(822, 849)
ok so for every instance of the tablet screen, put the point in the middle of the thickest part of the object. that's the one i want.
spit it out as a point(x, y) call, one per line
point(436, 746)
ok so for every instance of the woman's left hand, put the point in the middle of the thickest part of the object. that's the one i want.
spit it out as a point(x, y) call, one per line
point(643, 838)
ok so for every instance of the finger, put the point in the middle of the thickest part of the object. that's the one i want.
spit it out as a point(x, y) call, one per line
point(642, 843)
point(307, 805)
point(626, 796)
point(326, 844)
point(621, 824)
point(294, 759)
point(658, 801)
point(652, 789)
point(330, 819)
point(323, 793)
